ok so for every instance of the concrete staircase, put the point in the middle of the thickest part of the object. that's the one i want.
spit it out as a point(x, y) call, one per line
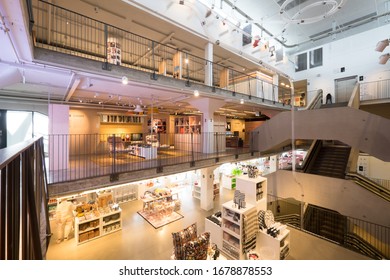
point(330, 161)
point(326, 223)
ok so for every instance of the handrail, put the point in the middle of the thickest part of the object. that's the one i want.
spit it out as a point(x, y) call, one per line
point(317, 101)
point(10, 153)
point(134, 49)
point(369, 185)
point(375, 90)
point(311, 155)
point(84, 156)
point(376, 237)
point(24, 221)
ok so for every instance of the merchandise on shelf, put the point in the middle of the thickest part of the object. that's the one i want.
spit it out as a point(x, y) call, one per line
point(93, 221)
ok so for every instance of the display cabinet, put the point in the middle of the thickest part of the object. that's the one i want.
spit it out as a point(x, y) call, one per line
point(116, 118)
point(232, 229)
point(273, 248)
point(188, 124)
point(255, 190)
point(96, 224)
point(188, 133)
point(143, 151)
point(196, 190)
point(125, 193)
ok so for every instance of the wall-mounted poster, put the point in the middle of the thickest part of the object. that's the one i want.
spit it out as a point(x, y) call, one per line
point(247, 35)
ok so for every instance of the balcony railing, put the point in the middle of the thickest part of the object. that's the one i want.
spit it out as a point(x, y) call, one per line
point(358, 235)
point(375, 90)
point(66, 31)
point(80, 156)
point(24, 220)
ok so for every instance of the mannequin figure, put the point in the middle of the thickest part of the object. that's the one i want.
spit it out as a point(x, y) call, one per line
point(64, 218)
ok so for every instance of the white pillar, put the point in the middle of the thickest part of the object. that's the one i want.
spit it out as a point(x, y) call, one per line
point(208, 106)
point(58, 136)
point(208, 73)
point(275, 82)
point(207, 188)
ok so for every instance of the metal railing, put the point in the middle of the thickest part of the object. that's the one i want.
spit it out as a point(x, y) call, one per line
point(24, 220)
point(66, 31)
point(80, 156)
point(382, 182)
point(355, 234)
point(369, 185)
point(375, 90)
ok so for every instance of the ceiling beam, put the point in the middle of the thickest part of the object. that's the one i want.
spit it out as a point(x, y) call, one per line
point(72, 90)
point(166, 39)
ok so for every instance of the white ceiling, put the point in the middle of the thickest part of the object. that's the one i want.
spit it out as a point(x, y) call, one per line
point(30, 81)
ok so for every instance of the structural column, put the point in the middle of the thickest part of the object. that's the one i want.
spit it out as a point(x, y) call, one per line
point(208, 106)
point(207, 188)
point(275, 91)
point(208, 56)
point(58, 136)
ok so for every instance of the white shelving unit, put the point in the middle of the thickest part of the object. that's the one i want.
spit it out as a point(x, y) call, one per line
point(188, 133)
point(255, 190)
point(273, 248)
point(232, 229)
point(215, 232)
point(87, 229)
point(148, 152)
point(196, 190)
point(125, 193)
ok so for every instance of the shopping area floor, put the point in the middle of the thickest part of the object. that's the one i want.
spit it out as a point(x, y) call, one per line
point(138, 240)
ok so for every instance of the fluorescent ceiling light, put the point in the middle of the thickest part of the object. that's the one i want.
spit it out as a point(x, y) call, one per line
point(228, 109)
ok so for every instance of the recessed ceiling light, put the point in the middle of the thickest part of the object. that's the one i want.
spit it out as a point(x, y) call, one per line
point(125, 80)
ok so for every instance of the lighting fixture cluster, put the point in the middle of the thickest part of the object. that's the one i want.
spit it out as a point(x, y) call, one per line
point(332, 6)
point(380, 47)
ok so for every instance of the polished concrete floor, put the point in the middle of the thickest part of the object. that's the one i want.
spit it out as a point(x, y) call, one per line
point(138, 240)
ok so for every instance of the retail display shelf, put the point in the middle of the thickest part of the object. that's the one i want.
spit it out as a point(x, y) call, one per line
point(97, 224)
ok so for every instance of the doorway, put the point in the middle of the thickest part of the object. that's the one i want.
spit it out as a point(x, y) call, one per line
point(344, 88)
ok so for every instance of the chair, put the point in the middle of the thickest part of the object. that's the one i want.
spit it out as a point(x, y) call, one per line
point(116, 145)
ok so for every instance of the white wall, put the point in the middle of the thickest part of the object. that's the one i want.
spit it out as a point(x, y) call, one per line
point(340, 195)
point(373, 167)
point(356, 53)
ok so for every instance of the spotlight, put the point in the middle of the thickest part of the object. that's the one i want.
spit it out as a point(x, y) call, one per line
point(125, 80)
point(382, 45)
point(241, 101)
point(384, 58)
point(196, 92)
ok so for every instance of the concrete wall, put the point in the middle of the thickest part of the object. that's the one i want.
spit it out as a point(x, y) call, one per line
point(304, 246)
point(367, 132)
point(340, 195)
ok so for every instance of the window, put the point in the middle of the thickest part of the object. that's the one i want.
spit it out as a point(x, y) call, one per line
point(315, 58)
point(301, 62)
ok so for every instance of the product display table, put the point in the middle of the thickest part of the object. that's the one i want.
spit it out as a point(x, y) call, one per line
point(144, 151)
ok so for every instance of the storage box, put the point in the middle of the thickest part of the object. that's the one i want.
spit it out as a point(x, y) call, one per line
point(83, 237)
